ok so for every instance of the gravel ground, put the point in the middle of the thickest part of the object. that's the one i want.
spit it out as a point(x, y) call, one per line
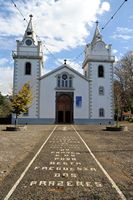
point(114, 150)
point(16, 145)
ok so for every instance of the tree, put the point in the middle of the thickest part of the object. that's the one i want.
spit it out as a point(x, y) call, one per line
point(5, 106)
point(118, 100)
point(124, 75)
point(22, 100)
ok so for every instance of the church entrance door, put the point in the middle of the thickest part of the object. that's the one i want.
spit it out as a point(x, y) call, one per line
point(64, 107)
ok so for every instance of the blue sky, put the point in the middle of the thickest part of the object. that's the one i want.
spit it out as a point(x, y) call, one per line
point(65, 27)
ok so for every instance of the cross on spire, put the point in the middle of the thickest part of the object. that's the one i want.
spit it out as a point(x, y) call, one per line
point(65, 61)
point(30, 15)
point(97, 35)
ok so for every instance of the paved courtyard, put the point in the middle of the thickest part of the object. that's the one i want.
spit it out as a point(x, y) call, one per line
point(67, 162)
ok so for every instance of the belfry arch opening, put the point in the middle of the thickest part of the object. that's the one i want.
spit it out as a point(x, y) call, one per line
point(64, 107)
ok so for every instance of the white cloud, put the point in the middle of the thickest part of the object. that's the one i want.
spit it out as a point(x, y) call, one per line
point(77, 67)
point(123, 33)
point(4, 45)
point(116, 59)
point(68, 20)
point(3, 61)
point(73, 64)
point(124, 30)
point(104, 7)
point(6, 80)
point(124, 37)
point(114, 51)
point(127, 48)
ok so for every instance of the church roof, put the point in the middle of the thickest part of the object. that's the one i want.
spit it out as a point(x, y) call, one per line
point(29, 33)
point(97, 35)
point(64, 66)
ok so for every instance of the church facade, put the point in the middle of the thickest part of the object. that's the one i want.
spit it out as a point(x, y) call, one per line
point(65, 95)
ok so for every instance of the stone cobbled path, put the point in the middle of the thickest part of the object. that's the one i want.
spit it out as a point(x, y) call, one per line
point(64, 169)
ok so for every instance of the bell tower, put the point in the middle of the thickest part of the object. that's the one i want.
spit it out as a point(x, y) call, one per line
point(98, 68)
point(28, 66)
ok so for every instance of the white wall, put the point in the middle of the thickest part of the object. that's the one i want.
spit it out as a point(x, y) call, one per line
point(20, 79)
point(48, 94)
point(47, 97)
point(99, 54)
point(99, 101)
point(81, 89)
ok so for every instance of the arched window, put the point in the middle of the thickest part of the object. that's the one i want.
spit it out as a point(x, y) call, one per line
point(101, 112)
point(28, 68)
point(100, 71)
point(70, 81)
point(101, 90)
point(58, 81)
point(64, 81)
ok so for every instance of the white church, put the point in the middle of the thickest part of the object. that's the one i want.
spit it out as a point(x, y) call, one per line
point(64, 95)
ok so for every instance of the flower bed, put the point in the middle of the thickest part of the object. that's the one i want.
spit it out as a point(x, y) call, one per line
point(115, 128)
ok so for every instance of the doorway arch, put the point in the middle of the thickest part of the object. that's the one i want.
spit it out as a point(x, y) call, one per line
point(64, 108)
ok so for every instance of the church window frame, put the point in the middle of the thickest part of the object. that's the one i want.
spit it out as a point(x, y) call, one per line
point(64, 80)
point(101, 112)
point(70, 82)
point(100, 71)
point(101, 90)
point(58, 81)
point(27, 68)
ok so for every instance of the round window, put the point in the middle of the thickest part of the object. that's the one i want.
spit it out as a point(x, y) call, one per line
point(28, 42)
point(64, 76)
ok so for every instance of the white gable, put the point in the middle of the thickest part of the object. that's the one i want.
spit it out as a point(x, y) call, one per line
point(48, 89)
